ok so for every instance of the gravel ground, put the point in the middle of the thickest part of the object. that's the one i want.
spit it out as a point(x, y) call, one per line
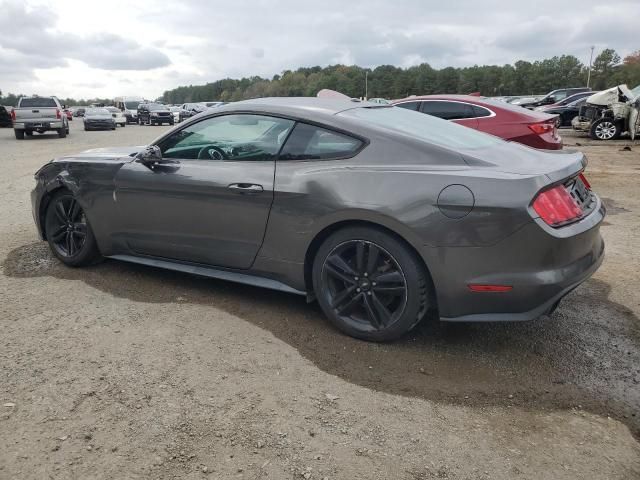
point(124, 371)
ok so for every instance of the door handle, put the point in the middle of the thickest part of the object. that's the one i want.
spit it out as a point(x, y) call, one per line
point(246, 187)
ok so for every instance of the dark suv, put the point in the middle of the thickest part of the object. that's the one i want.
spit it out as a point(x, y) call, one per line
point(555, 96)
point(154, 114)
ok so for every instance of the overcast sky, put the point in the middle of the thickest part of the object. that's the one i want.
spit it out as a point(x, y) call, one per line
point(89, 48)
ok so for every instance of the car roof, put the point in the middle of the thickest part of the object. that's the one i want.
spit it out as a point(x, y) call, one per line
point(443, 96)
point(306, 106)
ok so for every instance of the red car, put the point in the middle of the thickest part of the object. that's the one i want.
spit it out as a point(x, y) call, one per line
point(513, 123)
point(68, 113)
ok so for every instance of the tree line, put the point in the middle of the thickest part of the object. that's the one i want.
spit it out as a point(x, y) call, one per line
point(388, 81)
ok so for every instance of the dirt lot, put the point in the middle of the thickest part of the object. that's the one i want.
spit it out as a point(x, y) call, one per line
point(122, 371)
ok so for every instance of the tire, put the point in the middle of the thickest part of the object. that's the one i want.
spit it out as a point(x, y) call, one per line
point(605, 129)
point(62, 132)
point(19, 134)
point(353, 294)
point(68, 232)
point(123, 125)
point(558, 122)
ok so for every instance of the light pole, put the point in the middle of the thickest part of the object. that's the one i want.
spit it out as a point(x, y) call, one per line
point(366, 84)
point(590, 60)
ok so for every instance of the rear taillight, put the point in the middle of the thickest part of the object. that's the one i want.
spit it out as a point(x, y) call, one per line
point(58, 113)
point(542, 128)
point(13, 115)
point(556, 206)
point(585, 181)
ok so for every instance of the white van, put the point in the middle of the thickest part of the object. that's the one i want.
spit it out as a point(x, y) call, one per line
point(129, 107)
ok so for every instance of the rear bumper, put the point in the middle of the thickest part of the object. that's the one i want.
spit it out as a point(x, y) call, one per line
point(541, 264)
point(44, 125)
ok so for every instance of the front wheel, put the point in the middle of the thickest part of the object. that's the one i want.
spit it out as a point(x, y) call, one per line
point(605, 129)
point(68, 232)
point(370, 284)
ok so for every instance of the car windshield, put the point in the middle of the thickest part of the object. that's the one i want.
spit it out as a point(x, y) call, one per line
point(155, 106)
point(37, 102)
point(636, 92)
point(97, 111)
point(113, 109)
point(132, 105)
point(424, 127)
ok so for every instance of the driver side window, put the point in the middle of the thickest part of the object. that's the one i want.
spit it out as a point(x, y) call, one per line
point(229, 137)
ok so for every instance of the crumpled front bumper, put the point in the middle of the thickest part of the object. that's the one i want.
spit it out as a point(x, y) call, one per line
point(580, 124)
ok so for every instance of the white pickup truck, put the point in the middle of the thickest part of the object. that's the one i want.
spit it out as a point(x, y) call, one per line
point(39, 114)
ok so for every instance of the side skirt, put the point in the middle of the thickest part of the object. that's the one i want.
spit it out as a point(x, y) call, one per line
point(211, 272)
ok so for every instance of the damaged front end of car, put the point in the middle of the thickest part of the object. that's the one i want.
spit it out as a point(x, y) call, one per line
point(608, 114)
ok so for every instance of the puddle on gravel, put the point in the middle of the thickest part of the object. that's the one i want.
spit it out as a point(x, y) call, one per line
point(587, 355)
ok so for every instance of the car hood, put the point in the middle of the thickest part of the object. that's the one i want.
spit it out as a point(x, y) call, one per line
point(611, 95)
point(515, 158)
point(102, 154)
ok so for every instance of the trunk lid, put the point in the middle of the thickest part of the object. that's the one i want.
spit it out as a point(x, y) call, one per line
point(514, 158)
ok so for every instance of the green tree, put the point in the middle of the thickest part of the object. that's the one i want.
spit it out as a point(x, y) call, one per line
point(604, 67)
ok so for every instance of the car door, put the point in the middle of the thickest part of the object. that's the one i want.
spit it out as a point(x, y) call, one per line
point(211, 203)
point(458, 112)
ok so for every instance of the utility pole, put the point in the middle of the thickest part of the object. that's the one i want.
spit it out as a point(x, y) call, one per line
point(366, 84)
point(590, 61)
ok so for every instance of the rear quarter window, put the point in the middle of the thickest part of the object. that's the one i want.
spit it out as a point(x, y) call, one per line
point(309, 142)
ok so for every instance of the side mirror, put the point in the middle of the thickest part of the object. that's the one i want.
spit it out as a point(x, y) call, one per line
point(150, 155)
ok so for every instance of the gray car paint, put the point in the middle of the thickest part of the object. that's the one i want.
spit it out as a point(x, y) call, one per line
point(395, 182)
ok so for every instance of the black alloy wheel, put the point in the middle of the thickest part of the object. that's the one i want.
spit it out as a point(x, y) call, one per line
point(68, 232)
point(371, 286)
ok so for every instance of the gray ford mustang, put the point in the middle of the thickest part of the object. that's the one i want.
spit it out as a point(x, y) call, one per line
point(378, 212)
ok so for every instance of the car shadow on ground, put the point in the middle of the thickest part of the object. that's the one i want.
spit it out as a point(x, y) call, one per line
point(586, 356)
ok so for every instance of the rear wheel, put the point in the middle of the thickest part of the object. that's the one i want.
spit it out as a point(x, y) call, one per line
point(605, 129)
point(62, 132)
point(68, 232)
point(19, 134)
point(370, 284)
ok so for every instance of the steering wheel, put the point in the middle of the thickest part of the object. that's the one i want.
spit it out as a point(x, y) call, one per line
point(211, 152)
